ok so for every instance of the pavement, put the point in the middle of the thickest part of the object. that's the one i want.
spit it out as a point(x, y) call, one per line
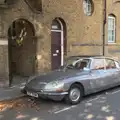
point(13, 92)
point(9, 93)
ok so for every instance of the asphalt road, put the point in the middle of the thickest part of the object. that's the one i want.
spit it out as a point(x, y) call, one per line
point(101, 106)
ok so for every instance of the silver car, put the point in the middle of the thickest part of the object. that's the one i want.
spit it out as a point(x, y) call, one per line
point(79, 77)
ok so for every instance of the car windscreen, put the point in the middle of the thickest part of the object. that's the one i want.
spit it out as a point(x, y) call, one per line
point(80, 63)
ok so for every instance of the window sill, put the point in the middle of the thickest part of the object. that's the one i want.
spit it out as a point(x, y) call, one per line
point(112, 43)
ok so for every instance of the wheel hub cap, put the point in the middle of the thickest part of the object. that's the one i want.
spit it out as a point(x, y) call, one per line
point(75, 94)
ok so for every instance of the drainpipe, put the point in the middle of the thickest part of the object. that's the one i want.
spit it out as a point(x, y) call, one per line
point(104, 23)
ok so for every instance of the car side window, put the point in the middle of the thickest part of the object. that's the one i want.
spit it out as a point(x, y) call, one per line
point(110, 64)
point(98, 64)
point(82, 64)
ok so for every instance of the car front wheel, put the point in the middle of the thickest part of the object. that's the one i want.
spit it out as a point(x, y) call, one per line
point(74, 95)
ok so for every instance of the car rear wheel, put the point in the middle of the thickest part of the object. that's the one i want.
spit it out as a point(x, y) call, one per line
point(74, 95)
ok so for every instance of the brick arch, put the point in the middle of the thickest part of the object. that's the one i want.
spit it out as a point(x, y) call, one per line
point(21, 47)
point(111, 14)
point(26, 19)
point(116, 1)
point(111, 8)
point(30, 25)
point(19, 10)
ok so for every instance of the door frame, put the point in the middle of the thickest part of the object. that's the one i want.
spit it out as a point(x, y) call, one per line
point(62, 41)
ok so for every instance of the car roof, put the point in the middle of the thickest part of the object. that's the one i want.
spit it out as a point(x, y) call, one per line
point(92, 57)
point(83, 56)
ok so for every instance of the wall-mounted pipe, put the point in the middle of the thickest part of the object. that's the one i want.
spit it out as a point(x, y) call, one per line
point(104, 23)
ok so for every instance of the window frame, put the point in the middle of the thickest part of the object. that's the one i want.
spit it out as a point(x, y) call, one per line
point(111, 30)
point(88, 7)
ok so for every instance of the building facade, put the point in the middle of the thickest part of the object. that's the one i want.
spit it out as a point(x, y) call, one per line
point(37, 36)
point(112, 28)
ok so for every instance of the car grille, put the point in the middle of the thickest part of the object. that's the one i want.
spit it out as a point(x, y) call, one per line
point(33, 89)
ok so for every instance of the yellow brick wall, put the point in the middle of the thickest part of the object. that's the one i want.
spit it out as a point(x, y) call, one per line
point(80, 28)
point(113, 7)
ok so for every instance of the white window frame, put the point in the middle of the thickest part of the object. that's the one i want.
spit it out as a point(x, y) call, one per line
point(87, 6)
point(113, 37)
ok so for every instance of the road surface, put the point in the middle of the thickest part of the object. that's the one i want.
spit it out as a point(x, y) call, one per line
point(101, 106)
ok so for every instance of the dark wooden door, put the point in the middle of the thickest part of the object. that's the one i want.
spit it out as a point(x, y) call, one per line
point(55, 50)
point(22, 53)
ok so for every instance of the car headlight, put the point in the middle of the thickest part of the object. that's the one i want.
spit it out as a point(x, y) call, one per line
point(56, 85)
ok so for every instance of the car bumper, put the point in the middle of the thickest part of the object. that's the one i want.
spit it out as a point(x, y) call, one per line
point(46, 94)
point(53, 95)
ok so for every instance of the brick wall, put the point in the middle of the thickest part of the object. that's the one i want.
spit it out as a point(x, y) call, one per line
point(113, 7)
point(80, 29)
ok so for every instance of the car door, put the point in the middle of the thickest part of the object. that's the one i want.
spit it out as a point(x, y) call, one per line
point(114, 72)
point(118, 71)
point(98, 74)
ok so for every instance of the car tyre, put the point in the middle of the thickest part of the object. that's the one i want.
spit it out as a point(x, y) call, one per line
point(74, 95)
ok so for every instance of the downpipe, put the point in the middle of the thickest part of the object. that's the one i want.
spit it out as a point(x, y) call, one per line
point(104, 23)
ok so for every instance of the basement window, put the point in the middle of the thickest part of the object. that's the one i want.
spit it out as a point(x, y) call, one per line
point(88, 7)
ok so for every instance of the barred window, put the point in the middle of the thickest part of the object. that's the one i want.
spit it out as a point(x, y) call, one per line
point(88, 7)
point(111, 29)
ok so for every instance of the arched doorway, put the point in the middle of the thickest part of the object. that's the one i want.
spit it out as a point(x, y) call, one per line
point(58, 43)
point(22, 48)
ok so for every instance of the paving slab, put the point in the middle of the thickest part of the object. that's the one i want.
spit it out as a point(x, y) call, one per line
point(10, 93)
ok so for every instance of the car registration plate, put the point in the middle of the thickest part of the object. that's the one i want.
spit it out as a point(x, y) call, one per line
point(32, 94)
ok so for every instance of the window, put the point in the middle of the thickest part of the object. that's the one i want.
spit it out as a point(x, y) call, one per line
point(56, 25)
point(111, 29)
point(82, 64)
point(110, 64)
point(98, 64)
point(88, 7)
point(78, 64)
